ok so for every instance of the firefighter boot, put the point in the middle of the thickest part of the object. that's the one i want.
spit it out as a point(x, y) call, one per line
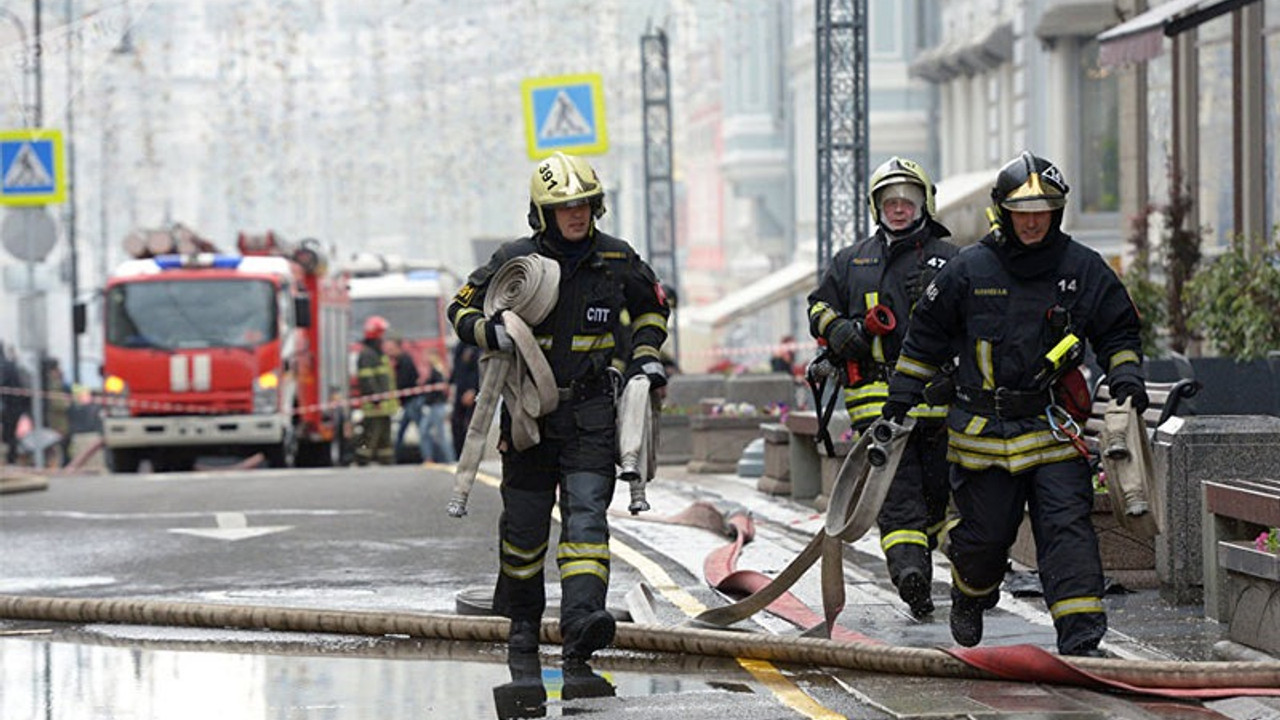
point(580, 681)
point(966, 619)
point(916, 591)
point(588, 634)
point(523, 637)
point(525, 696)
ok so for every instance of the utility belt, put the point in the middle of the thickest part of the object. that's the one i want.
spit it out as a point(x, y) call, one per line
point(586, 388)
point(1002, 403)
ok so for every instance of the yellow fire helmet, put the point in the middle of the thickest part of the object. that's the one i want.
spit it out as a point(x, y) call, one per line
point(563, 181)
point(895, 171)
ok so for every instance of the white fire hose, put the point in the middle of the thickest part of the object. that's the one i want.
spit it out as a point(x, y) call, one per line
point(637, 439)
point(522, 293)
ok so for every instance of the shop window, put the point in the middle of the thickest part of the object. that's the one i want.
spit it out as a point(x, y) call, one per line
point(1099, 126)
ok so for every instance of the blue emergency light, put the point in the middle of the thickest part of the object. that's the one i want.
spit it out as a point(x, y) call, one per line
point(198, 260)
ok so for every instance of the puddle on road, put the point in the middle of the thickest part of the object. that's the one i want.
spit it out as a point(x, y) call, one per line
point(144, 672)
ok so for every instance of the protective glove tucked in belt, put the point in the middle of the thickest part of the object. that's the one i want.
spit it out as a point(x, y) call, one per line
point(650, 367)
point(1125, 388)
point(847, 339)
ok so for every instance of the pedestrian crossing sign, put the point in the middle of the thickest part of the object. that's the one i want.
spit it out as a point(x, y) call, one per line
point(564, 113)
point(31, 167)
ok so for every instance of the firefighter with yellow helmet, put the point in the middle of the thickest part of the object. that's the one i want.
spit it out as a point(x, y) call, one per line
point(601, 277)
point(861, 311)
point(1017, 307)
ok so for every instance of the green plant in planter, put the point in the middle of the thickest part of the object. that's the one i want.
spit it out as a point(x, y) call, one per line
point(1268, 541)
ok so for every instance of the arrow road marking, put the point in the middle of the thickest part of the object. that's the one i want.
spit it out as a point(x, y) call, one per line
point(231, 526)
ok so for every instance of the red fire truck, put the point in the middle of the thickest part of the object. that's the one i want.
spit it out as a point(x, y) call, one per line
point(225, 354)
point(412, 296)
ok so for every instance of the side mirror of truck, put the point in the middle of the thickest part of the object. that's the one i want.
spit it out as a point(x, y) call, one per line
point(79, 318)
point(302, 311)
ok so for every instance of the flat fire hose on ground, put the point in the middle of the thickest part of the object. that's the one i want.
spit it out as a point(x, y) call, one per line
point(860, 489)
point(523, 292)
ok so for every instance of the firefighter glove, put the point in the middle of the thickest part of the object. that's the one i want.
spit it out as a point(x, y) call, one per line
point(650, 367)
point(918, 281)
point(496, 337)
point(1123, 389)
point(847, 339)
point(895, 411)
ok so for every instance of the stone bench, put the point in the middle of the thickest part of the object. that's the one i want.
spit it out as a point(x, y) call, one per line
point(1242, 588)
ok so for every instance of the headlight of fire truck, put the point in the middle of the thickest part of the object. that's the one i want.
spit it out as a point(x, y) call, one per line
point(266, 394)
point(115, 396)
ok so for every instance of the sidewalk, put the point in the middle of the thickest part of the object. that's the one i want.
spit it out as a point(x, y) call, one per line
point(1142, 625)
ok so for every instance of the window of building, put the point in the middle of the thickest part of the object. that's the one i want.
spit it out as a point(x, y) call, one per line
point(885, 20)
point(1271, 162)
point(1215, 199)
point(1099, 127)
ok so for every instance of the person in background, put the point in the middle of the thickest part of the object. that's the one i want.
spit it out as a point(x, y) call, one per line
point(375, 376)
point(406, 372)
point(16, 403)
point(464, 383)
point(56, 409)
point(573, 462)
point(784, 360)
point(861, 310)
point(1018, 306)
point(432, 436)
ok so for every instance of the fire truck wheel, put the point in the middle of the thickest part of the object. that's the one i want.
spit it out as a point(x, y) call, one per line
point(284, 455)
point(123, 460)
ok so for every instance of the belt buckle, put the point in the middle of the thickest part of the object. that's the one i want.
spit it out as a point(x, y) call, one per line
point(997, 401)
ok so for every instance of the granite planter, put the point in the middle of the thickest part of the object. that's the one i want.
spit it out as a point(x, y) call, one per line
point(674, 445)
point(1252, 594)
point(717, 441)
point(1127, 558)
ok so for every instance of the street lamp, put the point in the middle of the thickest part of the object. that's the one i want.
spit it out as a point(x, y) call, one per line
point(32, 110)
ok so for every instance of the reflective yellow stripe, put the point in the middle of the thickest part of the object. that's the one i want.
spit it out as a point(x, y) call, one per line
point(866, 411)
point(976, 425)
point(465, 312)
point(649, 320)
point(928, 411)
point(971, 591)
point(1006, 446)
point(512, 550)
point(598, 551)
point(521, 572)
point(590, 343)
point(870, 391)
point(1076, 606)
point(1122, 357)
point(1014, 463)
point(914, 368)
point(824, 314)
point(904, 537)
point(584, 567)
point(545, 342)
point(983, 351)
point(646, 351)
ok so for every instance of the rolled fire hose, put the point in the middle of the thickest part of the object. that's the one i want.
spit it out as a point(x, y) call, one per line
point(1195, 676)
point(860, 489)
point(523, 292)
point(1130, 469)
point(637, 439)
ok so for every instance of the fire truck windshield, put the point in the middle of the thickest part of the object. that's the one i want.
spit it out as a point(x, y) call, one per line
point(187, 314)
point(410, 317)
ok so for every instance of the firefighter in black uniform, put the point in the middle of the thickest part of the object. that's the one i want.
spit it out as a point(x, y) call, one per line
point(1018, 306)
point(878, 278)
point(600, 277)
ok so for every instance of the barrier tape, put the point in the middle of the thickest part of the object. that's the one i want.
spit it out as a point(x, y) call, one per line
point(187, 409)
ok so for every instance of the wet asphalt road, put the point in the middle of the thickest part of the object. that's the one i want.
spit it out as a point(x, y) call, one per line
point(378, 539)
